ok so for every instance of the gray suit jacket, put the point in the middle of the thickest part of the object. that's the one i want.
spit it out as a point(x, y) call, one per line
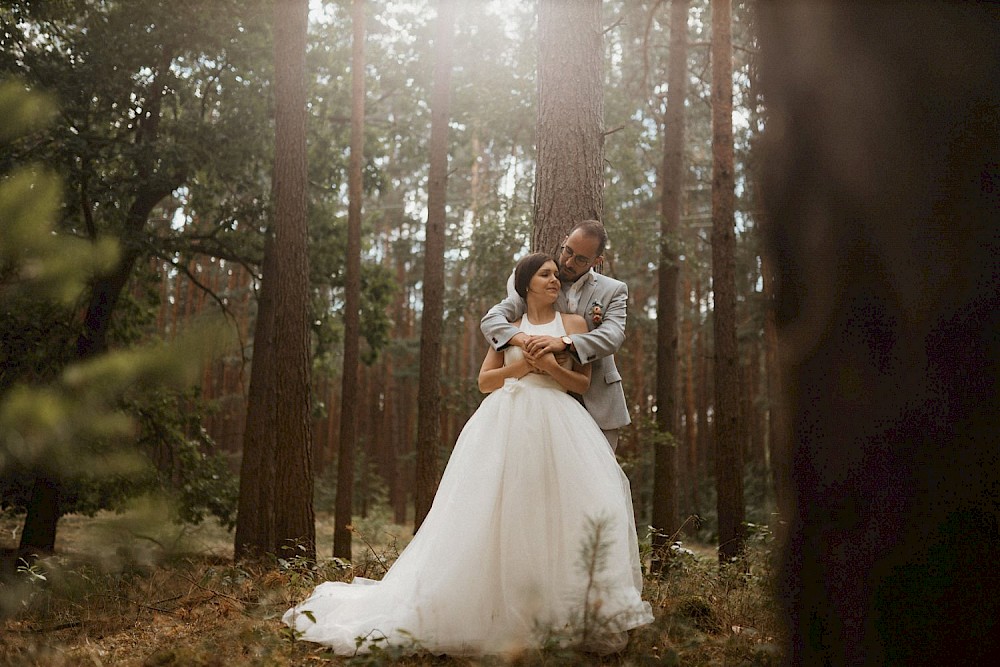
point(605, 399)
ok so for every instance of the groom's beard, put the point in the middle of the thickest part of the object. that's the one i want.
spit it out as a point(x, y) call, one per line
point(566, 280)
point(568, 276)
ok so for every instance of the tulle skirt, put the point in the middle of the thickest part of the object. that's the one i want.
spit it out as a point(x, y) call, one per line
point(530, 542)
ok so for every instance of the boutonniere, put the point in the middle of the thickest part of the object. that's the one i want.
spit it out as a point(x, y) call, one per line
point(596, 313)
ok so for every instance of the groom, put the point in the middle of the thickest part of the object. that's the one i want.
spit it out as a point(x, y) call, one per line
point(602, 301)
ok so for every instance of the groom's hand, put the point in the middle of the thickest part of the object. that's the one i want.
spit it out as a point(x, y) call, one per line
point(519, 339)
point(539, 345)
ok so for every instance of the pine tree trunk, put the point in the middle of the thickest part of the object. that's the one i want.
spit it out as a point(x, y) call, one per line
point(690, 404)
point(401, 402)
point(294, 521)
point(569, 173)
point(255, 519)
point(706, 438)
point(665, 521)
point(728, 457)
point(429, 393)
point(352, 298)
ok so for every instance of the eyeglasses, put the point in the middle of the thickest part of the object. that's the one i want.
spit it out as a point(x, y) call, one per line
point(579, 260)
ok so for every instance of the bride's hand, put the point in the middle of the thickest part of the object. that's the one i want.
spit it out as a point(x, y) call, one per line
point(545, 363)
point(522, 368)
point(532, 363)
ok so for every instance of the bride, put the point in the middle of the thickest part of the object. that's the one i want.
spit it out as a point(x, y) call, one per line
point(530, 540)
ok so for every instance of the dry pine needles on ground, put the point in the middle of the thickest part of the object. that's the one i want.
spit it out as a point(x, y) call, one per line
point(133, 602)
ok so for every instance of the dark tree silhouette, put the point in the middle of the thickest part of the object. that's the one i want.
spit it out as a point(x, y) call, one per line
point(882, 193)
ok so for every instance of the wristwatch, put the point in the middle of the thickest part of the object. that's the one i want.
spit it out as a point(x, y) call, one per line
point(568, 341)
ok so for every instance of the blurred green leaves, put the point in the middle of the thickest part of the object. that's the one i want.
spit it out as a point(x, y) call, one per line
point(33, 257)
point(34, 260)
point(22, 112)
point(69, 420)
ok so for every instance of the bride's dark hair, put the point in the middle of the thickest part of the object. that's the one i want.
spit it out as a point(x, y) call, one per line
point(526, 269)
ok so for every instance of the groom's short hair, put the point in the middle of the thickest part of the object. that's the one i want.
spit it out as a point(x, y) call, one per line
point(526, 269)
point(594, 229)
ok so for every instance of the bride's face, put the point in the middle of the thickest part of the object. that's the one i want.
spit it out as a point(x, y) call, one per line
point(545, 283)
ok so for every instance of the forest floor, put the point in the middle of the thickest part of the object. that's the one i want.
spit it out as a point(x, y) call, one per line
point(127, 589)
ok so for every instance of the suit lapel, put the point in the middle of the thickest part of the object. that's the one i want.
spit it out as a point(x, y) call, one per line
point(586, 299)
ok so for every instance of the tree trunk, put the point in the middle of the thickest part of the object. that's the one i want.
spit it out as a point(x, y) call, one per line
point(569, 172)
point(39, 533)
point(690, 404)
point(665, 486)
point(429, 393)
point(344, 503)
point(402, 396)
point(706, 438)
point(882, 202)
point(729, 449)
point(276, 483)
point(294, 521)
point(254, 518)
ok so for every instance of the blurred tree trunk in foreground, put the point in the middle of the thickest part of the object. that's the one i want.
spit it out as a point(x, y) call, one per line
point(882, 195)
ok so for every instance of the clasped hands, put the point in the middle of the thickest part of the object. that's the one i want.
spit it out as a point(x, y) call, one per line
point(537, 349)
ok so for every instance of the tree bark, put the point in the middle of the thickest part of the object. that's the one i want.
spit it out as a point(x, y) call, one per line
point(665, 502)
point(691, 426)
point(569, 172)
point(293, 509)
point(352, 299)
point(254, 518)
point(429, 393)
point(706, 437)
point(276, 485)
point(729, 454)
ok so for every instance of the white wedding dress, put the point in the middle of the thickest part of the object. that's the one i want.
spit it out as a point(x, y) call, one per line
point(505, 558)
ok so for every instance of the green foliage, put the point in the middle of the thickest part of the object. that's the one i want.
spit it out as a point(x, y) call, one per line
point(71, 420)
point(34, 271)
point(186, 466)
point(79, 429)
